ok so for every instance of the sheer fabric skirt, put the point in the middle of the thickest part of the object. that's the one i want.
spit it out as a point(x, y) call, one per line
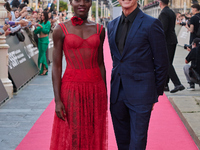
point(85, 127)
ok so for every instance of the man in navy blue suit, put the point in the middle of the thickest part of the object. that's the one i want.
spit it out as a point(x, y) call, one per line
point(140, 66)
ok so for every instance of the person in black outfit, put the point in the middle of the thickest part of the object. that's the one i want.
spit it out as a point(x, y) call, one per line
point(168, 20)
point(15, 3)
point(194, 22)
point(194, 58)
point(53, 6)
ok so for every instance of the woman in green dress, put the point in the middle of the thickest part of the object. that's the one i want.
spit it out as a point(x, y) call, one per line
point(43, 29)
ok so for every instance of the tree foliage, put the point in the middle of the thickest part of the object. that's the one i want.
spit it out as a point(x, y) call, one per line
point(94, 10)
point(63, 6)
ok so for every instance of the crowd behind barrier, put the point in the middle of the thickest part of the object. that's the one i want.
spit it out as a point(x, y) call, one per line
point(151, 5)
point(23, 43)
point(21, 66)
point(23, 50)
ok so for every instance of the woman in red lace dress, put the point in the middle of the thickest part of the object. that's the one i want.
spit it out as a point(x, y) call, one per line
point(80, 95)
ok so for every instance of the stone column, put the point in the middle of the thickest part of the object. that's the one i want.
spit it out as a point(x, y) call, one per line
point(4, 54)
point(173, 4)
point(145, 2)
point(184, 7)
point(58, 5)
point(188, 4)
point(31, 3)
point(108, 12)
point(97, 11)
point(36, 4)
point(69, 15)
point(101, 8)
point(90, 14)
point(104, 14)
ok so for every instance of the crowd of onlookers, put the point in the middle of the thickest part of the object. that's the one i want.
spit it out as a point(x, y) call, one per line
point(182, 19)
point(20, 16)
point(192, 22)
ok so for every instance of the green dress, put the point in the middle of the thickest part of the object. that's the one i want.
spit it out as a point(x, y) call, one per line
point(43, 45)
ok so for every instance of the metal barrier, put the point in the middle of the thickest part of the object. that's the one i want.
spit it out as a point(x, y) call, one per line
point(22, 66)
point(154, 12)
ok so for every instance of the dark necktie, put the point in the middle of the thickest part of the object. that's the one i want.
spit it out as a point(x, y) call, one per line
point(123, 35)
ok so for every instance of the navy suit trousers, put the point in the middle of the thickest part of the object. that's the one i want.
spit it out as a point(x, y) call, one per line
point(130, 123)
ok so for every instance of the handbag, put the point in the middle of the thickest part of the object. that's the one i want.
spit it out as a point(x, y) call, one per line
point(20, 36)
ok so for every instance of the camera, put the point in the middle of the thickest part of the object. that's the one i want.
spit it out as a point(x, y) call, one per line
point(187, 46)
point(183, 23)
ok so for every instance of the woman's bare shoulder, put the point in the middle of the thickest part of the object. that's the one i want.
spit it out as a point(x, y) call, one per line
point(67, 23)
point(57, 31)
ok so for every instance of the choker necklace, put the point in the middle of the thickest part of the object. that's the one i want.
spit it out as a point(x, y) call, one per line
point(77, 21)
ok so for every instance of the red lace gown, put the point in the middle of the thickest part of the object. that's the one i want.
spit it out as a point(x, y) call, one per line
point(83, 94)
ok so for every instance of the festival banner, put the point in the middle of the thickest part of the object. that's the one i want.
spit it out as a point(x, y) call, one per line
point(21, 66)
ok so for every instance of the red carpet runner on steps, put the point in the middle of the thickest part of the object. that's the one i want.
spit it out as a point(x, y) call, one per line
point(166, 131)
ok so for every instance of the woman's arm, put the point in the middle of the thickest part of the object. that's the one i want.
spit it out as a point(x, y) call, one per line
point(58, 37)
point(46, 28)
point(22, 11)
point(14, 29)
point(100, 56)
point(38, 29)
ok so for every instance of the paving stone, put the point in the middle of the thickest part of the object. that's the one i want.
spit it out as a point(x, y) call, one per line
point(194, 122)
point(186, 104)
point(197, 99)
point(3, 145)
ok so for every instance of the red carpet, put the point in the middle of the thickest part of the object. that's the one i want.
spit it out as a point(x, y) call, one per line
point(166, 132)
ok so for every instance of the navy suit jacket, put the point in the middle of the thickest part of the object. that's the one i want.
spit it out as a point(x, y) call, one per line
point(143, 66)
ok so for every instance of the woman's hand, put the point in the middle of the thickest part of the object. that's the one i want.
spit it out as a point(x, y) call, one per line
point(24, 9)
point(23, 23)
point(60, 110)
point(7, 32)
point(24, 14)
point(35, 24)
point(40, 25)
point(6, 26)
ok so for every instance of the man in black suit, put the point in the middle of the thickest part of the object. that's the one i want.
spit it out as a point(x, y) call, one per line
point(140, 67)
point(168, 20)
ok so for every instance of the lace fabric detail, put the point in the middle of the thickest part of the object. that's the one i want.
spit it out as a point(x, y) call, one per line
point(84, 96)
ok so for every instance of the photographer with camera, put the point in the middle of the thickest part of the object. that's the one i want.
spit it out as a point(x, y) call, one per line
point(194, 22)
point(194, 58)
